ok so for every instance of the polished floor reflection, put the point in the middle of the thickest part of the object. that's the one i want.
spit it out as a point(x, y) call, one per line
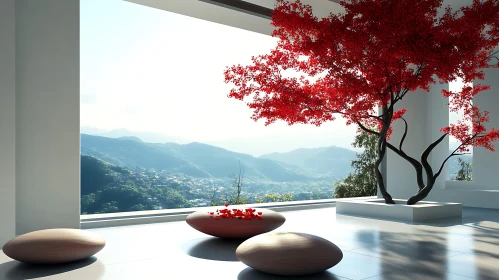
point(461, 249)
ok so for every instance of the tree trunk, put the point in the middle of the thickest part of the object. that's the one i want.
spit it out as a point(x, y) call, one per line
point(423, 193)
point(420, 195)
point(381, 153)
point(382, 144)
point(430, 177)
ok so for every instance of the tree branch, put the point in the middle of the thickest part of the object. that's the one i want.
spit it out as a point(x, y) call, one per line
point(382, 150)
point(402, 94)
point(453, 154)
point(414, 162)
point(442, 166)
point(405, 134)
point(339, 112)
point(494, 54)
point(366, 129)
point(430, 180)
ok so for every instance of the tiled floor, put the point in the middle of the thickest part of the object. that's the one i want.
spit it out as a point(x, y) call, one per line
point(462, 249)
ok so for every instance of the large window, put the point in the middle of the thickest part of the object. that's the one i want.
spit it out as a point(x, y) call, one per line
point(159, 132)
point(459, 167)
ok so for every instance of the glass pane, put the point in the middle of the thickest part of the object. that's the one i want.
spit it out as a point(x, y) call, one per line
point(159, 132)
point(459, 168)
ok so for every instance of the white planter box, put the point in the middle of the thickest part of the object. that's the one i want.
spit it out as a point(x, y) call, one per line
point(422, 211)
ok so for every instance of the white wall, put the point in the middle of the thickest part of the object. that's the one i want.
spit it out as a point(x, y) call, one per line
point(7, 121)
point(47, 127)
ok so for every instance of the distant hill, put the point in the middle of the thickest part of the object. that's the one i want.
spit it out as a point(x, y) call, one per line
point(193, 159)
point(133, 138)
point(130, 153)
point(334, 161)
point(107, 188)
point(149, 137)
point(97, 174)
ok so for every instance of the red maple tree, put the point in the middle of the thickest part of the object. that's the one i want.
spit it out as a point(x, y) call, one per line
point(373, 55)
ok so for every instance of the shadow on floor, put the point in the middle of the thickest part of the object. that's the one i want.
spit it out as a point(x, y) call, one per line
point(212, 248)
point(429, 253)
point(15, 270)
point(447, 222)
point(252, 274)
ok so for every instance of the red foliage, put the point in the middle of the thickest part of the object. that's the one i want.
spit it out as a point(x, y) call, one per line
point(370, 56)
point(246, 214)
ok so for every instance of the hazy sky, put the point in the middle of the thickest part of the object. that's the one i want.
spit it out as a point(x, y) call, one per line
point(148, 70)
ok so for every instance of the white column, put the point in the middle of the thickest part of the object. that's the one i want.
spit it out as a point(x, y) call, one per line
point(47, 115)
point(438, 117)
point(486, 163)
point(7, 121)
point(426, 113)
point(401, 176)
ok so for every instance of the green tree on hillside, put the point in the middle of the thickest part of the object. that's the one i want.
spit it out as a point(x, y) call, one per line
point(362, 181)
point(106, 189)
point(465, 172)
point(235, 195)
point(274, 197)
point(95, 174)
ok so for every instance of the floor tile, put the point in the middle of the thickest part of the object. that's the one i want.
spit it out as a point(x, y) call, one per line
point(478, 266)
point(356, 266)
point(419, 275)
point(144, 242)
point(404, 249)
point(4, 258)
point(251, 274)
point(90, 268)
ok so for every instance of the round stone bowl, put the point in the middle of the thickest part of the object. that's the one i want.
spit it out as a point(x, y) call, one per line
point(54, 246)
point(233, 227)
point(289, 253)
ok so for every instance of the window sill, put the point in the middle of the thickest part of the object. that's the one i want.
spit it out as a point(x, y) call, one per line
point(171, 215)
point(468, 186)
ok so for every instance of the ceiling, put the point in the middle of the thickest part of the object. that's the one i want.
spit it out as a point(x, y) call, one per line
point(252, 15)
point(225, 12)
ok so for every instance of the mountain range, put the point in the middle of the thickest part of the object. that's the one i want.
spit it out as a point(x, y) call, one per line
point(202, 160)
point(325, 160)
point(206, 161)
point(150, 137)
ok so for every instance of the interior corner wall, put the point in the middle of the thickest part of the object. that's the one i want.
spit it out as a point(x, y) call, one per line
point(47, 114)
point(7, 121)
